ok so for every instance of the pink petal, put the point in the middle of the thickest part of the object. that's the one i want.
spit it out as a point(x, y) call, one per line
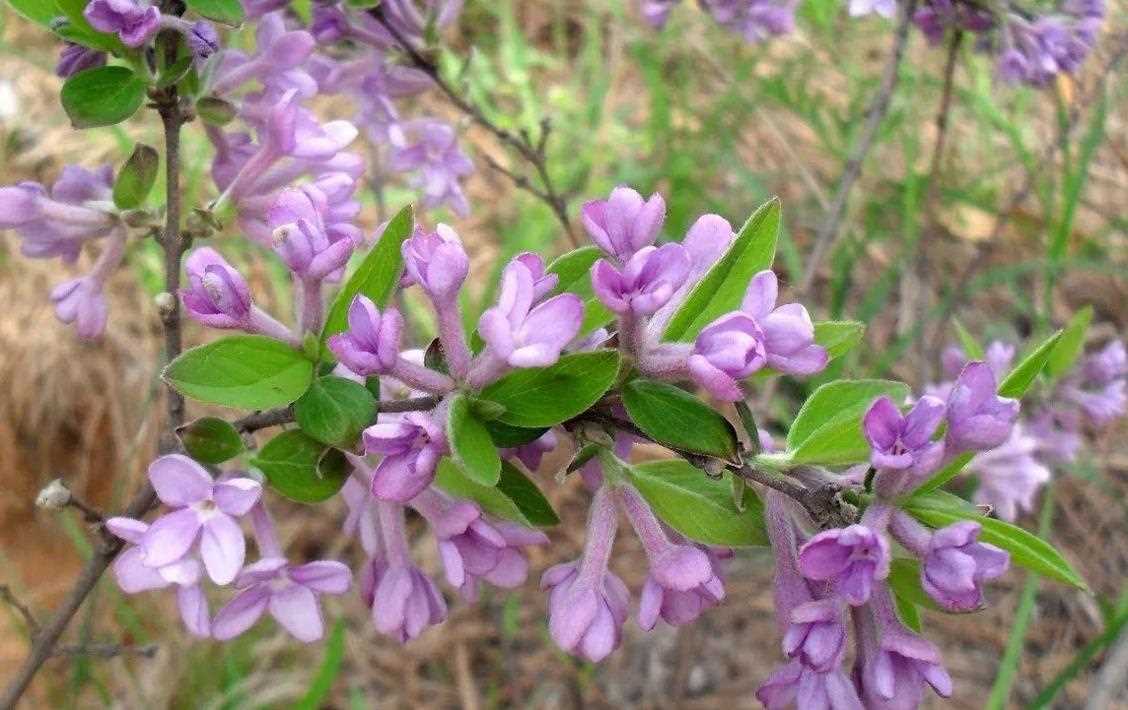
point(179, 481)
point(241, 613)
point(324, 576)
point(170, 537)
point(236, 496)
point(222, 547)
point(133, 575)
point(296, 609)
point(193, 607)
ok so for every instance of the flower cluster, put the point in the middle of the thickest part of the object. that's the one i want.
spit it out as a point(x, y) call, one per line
point(1093, 393)
point(754, 20)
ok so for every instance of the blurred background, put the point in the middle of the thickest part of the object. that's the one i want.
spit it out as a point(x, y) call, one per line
point(715, 125)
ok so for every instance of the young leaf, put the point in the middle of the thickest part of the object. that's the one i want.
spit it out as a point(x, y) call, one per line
point(828, 428)
point(377, 275)
point(515, 497)
point(904, 578)
point(470, 443)
point(215, 111)
point(675, 418)
point(102, 96)
point(699, 507)
point(301, 468)
point(210, 440)
point(506, 436)
point(229, 12)
point(722, 289)
point(136, 177)
point(334, 410)
point(907, 612)
point(1026, 549)
point(1022, 376)
point(241, 371)
point(971, 347)
point(839, 336)
point(544, 396)
point(1070, 345)
point(38, 11)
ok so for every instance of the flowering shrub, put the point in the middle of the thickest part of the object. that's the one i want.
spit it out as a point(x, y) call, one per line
point(598, 350)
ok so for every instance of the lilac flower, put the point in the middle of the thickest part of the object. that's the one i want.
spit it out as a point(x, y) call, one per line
point(953, 563)
point(74, 58)
point(134, 21)
point(647, 280)
point(656, 12)
point(624, 223)
point(1100, 388)
point(587, 604)
point(738, 344)
point(754, 20)
point(218, 296)
point(404, 601)
point(934, 17)
point(411, 446)
point(415, 19)
point(57, 223)
point(852, 558)
point(904, 442)
point(277, 51)
point(205, 514)
point(288, 592)
point(1009, 474)
point(437, 262)
point(895, 663)
point(1058, 433)
point(202, 39)
point(707, 240)
point(1038, 49)
point(816, 635)
point(133, 575)
point(81, 302)
point(796, 685)
point(474, 549)
point(885, 8)
point(978, 418)
point(532, 453)
point(523, 335)
point(430, 148)
point(371, 344)
point(682, 582)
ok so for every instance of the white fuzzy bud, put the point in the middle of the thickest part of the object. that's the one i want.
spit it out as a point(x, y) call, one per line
point(54, 496)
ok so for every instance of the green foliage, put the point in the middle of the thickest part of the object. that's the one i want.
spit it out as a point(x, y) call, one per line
point(545, 396)
point(329, 670)
point(1070, 345)
point(241, 371)
point(679, 420)
point(574, 271)
point(211, 440)
point(1019, 379)
point(301, 468)
point(828, 428)
point(699, 507)
point(334, 410)
point(136, 178)
point(515, 497)
point(471, 446)
point(228, 12)
point(102, 96)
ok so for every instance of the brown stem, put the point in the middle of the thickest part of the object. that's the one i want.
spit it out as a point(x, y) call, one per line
point(44, 644)
point(533, 153)
point(285, 415)
point(7, 595)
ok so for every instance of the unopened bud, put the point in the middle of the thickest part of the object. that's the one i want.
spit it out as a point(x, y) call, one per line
point(54, 496)
point(165, 301)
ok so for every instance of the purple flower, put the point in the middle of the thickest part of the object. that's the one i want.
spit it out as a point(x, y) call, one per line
point(133, 575)
point(587, 604)
point(217, 295)
point(430, 148)
point(954, 563)
point(738, 344)
point(1100, 388)
point(288, 592)
point(885, 8)
point(301, 239)
point(74, 58)
point(371, 344)
point(683, 581)
point(797, 686)
point(533, 452)
point(978, 418)
point(1009, 474)
point(134, 21)
point(437, 262)
point(755, 20)
point(816, 635)
point(202, 39)
point(521, 334)
point(411, 447)
point(59, 222)
point(624, 223)
point(645, 283)
point(1058, 433)
point(852, 558)
point(904, 442)
point(894, 662)
point(656, 12)
point(81, 302)
point(205, 512)
point(474, 549)
point(416, 19)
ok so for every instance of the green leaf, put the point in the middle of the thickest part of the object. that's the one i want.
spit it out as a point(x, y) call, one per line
point(1072, 342)
point(1026, 549)
point(328, 672)
point(77, 29)
point(506, 436)
point(699, 507)
point(377, 275)
point(216, 111)
point(904, 578)
point(334, 410)
point(839, 336)
point(675, 418)
point(574, 270)
point(136, 177)
point(229, 12)
point(515, 497)
point(828, 428)
point(211, 440)
point(971, 347)
point(39, 11)
point(301, 468)
point(722, 288)
point(947, 473)
point(241, 371)
point(545, 396)
point(102, 96)
point(907, 612)
point(470, 443)
point(1022, 376)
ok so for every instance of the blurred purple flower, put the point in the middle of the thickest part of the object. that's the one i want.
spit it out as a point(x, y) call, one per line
point(74, 58)
point(1009, 474)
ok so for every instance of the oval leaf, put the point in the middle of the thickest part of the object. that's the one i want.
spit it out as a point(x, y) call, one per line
point(828, 428)
point(211, 440)
point(699, 507)
point(334, 410)
point(242, 371)
point(515, 497)
point(136, 177)
point(301, 468)
point(544, 396)
point(723, 286)
point(470, 443)
point(675, 418)
point(102, 96)
point(229, 12)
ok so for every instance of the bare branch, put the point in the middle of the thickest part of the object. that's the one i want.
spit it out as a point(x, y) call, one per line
point(106, 650)
point(285, 415)
point(7, 595)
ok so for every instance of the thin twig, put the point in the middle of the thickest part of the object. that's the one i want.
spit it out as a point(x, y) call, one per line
point(106, 650)
point(173, 246)
point(7, 595)
point(285, 415)
point(875, 115)
point(532, 152)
